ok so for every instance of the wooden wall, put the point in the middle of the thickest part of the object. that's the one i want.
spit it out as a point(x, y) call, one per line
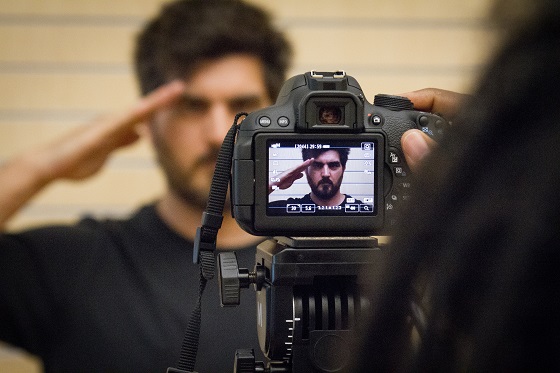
point(64, 62)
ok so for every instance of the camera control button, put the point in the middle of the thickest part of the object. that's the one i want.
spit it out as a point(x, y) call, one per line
point(399, 171)
point(264, 121)
point(424, 121)
point(394, 157)
point(283, 122)
point(376, 120)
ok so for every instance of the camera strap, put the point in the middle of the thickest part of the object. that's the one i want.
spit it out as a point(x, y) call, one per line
point(205, 245)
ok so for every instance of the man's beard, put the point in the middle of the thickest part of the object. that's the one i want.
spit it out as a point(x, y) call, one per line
point(192, 185)
point(325, 189)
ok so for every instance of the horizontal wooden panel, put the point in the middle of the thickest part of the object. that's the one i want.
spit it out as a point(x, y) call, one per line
point(20, 136)
point(404, 48)
point(82, 93)
point(97, 7)
point(66, 44)
point(285, 8)
point(412, 9)
point(403, 52)
point(102, 49)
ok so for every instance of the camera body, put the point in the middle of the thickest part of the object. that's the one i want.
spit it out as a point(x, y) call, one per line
point(325, 116)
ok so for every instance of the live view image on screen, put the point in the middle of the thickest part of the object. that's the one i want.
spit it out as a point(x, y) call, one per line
point(321, 177)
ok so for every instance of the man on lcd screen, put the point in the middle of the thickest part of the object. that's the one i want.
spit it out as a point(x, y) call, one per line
point(324, 169)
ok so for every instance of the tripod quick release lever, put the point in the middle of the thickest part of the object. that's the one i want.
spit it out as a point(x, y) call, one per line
point(231, 278)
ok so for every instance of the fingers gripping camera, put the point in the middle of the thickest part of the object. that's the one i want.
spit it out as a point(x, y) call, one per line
point(323, 161)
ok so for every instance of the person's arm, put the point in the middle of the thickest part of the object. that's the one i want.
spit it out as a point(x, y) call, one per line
point(287, 178)
point(415, 143)
point(77, 155)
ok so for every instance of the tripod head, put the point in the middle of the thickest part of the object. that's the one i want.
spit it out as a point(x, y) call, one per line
point(309, 300)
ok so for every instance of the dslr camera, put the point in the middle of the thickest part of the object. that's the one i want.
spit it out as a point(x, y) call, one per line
point(320, 171)
point(325, 117)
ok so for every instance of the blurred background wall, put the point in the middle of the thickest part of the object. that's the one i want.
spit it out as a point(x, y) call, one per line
point(65, 62)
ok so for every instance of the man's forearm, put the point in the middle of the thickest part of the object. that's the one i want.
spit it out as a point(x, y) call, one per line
point(20, 179)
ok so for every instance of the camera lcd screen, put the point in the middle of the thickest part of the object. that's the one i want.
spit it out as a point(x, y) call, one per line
point(321, 176)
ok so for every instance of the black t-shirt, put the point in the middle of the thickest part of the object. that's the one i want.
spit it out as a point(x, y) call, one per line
point(115, 296)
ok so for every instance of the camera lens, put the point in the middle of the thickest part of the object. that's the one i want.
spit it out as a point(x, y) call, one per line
point(330, 114)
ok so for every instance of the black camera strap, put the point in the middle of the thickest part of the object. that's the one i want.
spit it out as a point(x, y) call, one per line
point(205, 245)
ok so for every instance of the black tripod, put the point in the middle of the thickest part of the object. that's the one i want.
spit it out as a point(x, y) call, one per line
point(309, 301)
